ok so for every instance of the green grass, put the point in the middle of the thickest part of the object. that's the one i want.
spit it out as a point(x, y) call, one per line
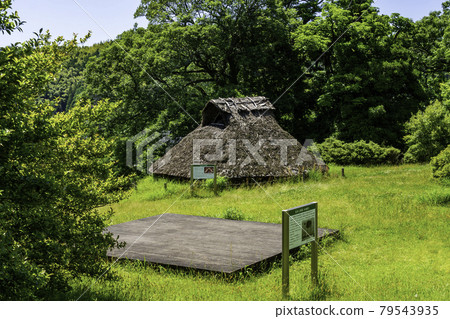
point(395, 239)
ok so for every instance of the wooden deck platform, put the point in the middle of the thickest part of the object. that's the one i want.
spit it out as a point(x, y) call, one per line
point(205, 243)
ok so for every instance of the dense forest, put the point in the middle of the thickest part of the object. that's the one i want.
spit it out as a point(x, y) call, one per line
point(362, 74)
point(337, 71)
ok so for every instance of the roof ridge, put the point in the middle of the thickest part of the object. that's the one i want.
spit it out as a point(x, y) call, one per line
point(248, 104)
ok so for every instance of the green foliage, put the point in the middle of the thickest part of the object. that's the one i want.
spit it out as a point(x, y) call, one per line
point(9, 21)
point(429, 41)
point(445, 93)
point(314, 175)
point(131, 70)
point(368, 85)
point(222, 183)
point(357, 153)
point(196, 52)
point(55, 170)
point(20, 279)
point(441, 164)
point(49, 206)
point(364, 87)
point(428, 133)
point(233, 214)
point(69, 84)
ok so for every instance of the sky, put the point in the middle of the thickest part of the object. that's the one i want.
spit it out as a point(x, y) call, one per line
point(108, 18)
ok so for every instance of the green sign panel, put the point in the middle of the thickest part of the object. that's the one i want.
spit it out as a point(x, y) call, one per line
point(203, 171)
point(302, 224)
point(299, 227)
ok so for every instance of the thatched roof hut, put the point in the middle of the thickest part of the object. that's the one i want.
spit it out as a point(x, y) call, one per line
point(240, 136)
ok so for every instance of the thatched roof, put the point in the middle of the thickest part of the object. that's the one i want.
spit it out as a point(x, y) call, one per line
point(248, 135)
point(222, 111)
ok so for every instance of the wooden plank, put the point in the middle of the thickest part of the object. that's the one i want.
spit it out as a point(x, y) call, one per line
point(206, 243)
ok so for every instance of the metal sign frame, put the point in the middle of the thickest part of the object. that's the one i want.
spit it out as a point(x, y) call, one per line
point(296, 231)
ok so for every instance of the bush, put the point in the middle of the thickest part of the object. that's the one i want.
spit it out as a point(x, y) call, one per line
point(55, 171)
point(440, 164)
point(428, 133)
point(19, 279)
point(233, 213)
point(359, 153)
point(222, 183)
point(314, 175)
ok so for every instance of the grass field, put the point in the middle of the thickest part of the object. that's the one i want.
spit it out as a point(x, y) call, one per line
point(394, 222)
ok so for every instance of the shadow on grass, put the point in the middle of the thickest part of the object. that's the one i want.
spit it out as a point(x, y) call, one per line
point(81, 291)
point(86, 294)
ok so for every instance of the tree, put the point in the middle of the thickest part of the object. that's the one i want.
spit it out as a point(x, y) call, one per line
point(428, 132)
point(440, 164)
point(55, 170)
point(9, 21)
point(198, 50)
point(365, 84)
point(369, 86)
point(69, 84)
point(429, 43)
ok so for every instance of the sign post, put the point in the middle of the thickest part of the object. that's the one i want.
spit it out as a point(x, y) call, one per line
point(215, 180)
point(315, 254)
point(204, 172)
point(299, 227)
point(285, 255)
point(192, 180)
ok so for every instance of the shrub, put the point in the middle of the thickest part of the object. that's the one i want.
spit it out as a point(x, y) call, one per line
point(360, 153)
point(428, 133)
point(233, 213)
point(314, 175)
point(55, 171)
point(440, 164)
point(19, 279)
point(222, 183)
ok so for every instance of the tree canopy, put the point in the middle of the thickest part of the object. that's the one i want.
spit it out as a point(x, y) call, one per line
point(55, 171)
point(333, 67)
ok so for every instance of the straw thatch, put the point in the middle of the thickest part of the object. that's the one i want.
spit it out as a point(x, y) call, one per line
point(238, 124)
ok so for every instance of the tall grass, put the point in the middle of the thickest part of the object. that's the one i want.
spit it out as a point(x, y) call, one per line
point(394, 246)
